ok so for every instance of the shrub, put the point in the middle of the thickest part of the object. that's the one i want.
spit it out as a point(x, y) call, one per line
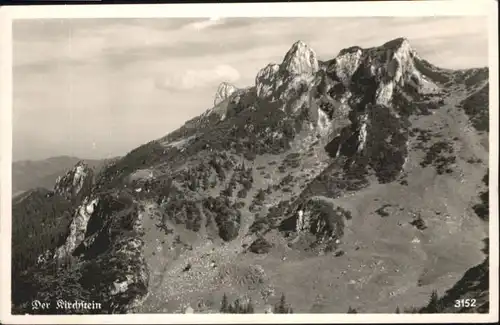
point(226, 216)
point(260, 246)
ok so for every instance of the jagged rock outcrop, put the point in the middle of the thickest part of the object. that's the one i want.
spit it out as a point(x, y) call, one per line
point(106, 235)
point(320, 218)
point(292, 76)
point(224, 91)
point(267, 80)
point(77, 228)
point(346, 63)
point(300, 59)
point(377, 89)
point(76, 183)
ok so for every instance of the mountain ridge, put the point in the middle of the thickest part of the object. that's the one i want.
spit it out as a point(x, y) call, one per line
point(290, 167)
point(29, 174)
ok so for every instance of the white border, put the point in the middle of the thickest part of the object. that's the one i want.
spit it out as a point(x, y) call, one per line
point(323, 9)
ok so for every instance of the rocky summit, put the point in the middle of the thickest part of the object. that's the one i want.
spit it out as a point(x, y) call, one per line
point(223, 92)
point(354, 183)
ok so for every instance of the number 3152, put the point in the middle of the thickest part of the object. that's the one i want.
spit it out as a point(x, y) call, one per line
point(467, 303)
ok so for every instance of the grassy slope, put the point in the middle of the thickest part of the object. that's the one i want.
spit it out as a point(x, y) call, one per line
point(388, 262)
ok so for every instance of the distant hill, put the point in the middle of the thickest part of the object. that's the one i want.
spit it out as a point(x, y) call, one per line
point(30, 174)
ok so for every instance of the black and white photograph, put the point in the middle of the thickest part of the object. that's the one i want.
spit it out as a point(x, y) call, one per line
point(246, 164)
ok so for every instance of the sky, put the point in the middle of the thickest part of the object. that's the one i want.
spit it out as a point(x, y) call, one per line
point(97, 88)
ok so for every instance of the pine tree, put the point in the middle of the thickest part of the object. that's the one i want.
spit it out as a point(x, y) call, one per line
point(249, 308)
point(237, 307)
point(224, 304)
point(205, 183)
point(282, 307)
point(433, 306)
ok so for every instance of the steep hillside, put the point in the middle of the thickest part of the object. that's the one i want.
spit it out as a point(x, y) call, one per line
point(350, 183)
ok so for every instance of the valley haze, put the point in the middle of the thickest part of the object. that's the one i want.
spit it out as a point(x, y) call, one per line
point(222, 165)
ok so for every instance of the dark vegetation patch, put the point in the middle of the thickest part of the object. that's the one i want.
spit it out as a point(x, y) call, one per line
point(415, 104)
point(260, 246)
point(241, 102)
point(221, 162)
point(482, 209)
point(287, 180)
point(334, 181)
point(258, 200)
point(422, 137)
point(227, 218)
point(141, 157)
point(175, 206)
point(471, 77)
point(239, 205)
point(386, 143)
point(432, 72)
point(292, 160)
point(339, 253)
point(40, 222)
point(212, 170)
point(381, 211)
point(199, 177)
point(328, 107)
point(237, 306)
point(441, 156)
point(266, 129)
point(473, 160)
point(263, 223)
point(418, 222)
point(476, 107)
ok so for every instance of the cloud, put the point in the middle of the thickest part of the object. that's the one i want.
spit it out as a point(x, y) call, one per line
point(134, 73)
point(200, 78)
point(200, 25)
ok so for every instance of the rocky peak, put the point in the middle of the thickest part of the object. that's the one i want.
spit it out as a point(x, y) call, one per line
point(397, 67)
point(300, 59)
point(397, 43)
point(277, 81)
point(346, 63)
point(74, 181)
point(389, 65)
point(399, 58)
point(223, 92)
